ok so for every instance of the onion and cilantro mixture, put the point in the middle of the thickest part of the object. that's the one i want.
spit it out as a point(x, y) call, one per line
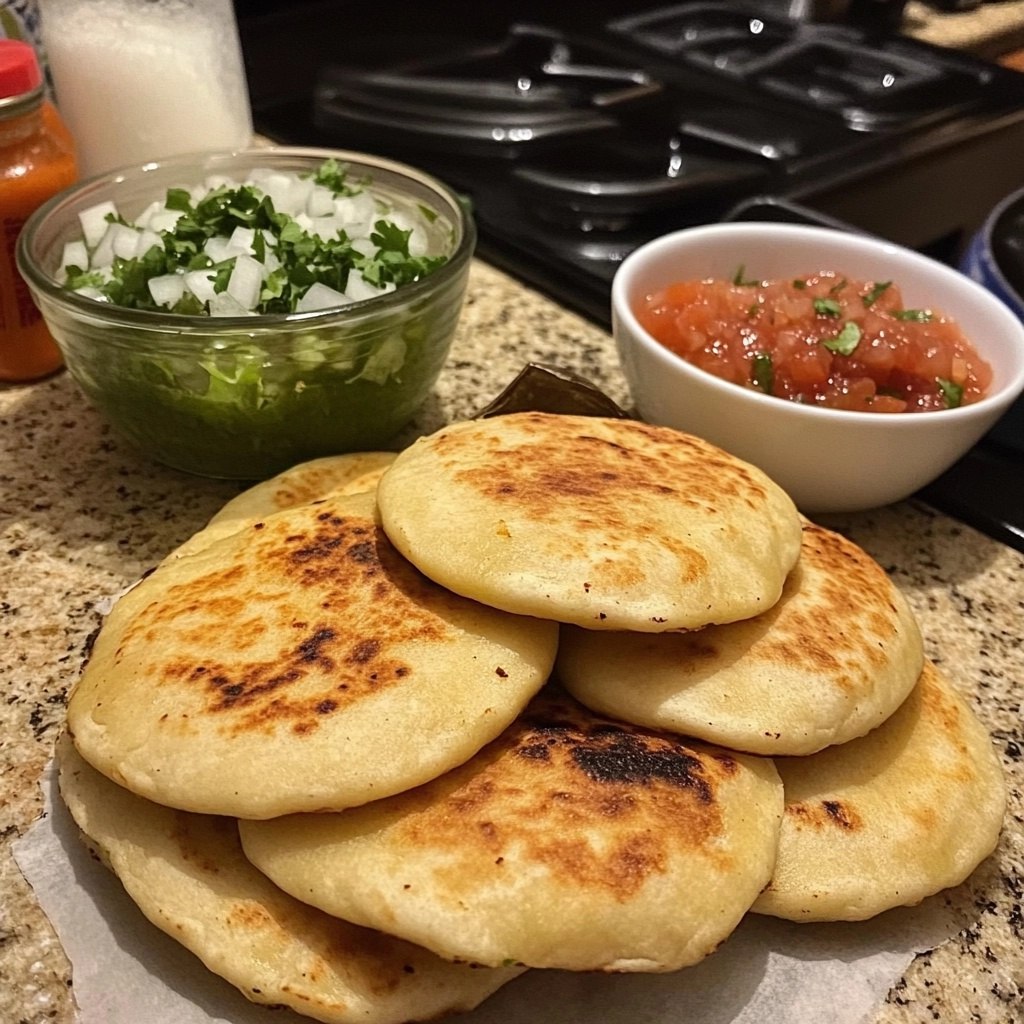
point(238, 394)
point(823, 338)
point(277, 242)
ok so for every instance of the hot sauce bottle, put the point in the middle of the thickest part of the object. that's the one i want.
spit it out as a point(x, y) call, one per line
point(37, 160)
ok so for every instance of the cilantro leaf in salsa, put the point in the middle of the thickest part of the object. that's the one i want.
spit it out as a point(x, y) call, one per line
point(740, 281)
point(878, 289)
point(827, 307)
point(921, 316)
point(846, 341)
point(762, 372)
point(952, 393)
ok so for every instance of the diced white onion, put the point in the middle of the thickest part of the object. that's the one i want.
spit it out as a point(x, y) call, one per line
point(320, 202)
point(164, 219)
point(320, 296)
point(94, 222)
point(126, 241)
point(166, 289)
point(200, 283)
point(357, 289)
point(219, 249)
point(75, 255)
point(363, 245)
point(278, 187)
point(242, 239)
point(314, 208)
point(142, 221)
point(225, 304)
point(270, 263)
point(147, 239)
point(103, 254)
point(326, 227)
point(245, 281)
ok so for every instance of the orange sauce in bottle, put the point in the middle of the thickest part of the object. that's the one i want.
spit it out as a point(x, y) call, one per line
point(37, 160)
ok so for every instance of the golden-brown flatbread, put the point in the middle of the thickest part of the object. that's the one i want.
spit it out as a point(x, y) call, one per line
point(188, 875)
point(832, 659)
point(572, 841)
point(885, 820)
point(350, 473)
point(299, 664)
point(605, 523)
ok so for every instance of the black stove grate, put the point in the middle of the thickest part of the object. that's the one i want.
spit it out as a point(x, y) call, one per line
point(576, 145)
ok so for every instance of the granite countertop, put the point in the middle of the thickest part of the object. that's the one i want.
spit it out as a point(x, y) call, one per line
point(81, 515)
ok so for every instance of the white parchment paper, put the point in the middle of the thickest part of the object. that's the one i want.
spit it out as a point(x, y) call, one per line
point(125, 971)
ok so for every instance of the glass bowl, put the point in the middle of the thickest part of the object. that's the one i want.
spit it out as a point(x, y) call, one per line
point(245, 397)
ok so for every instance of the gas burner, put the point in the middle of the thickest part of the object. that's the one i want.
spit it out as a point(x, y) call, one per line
point(575, 145)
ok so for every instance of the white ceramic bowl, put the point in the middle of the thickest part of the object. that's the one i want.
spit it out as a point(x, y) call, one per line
point(829, 460)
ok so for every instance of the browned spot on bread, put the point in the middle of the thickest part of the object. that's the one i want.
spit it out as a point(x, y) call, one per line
point(845, 618)
point(939, 708)
point(195, 851)
point(596, 803)
point(276, 668)
point(595, 473)
point(250, 916)
point(825, 814)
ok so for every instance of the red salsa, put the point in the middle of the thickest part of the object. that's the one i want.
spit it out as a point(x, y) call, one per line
point(824, 339)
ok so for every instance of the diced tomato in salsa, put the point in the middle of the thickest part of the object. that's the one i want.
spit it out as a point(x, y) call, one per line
point(824, 339)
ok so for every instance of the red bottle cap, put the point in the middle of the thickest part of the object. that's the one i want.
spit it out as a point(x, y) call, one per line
point(19, 68)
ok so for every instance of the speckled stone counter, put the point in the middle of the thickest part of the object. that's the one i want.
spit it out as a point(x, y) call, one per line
point(82, 515)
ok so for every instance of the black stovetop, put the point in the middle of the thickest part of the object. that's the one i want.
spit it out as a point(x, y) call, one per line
point(579, 135)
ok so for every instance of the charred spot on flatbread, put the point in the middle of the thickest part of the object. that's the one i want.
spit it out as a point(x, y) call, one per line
point(349, 564)
point(298, 640)
point(558, 769)
point(571, 841)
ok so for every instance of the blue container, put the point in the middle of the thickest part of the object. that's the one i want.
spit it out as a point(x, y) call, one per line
point(995, 259)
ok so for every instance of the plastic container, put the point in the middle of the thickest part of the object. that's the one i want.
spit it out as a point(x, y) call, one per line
point(138, 82)
point(37, 160)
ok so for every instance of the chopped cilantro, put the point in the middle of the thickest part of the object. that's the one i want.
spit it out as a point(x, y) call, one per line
point(827, 307)
point(920, 316)
point(78, 278)
point(951, 392)
point(845, 341)
point(837, 287)
point(178, 199)
point(294, 255)
point(334, 176)
point(799, 284)
point(739, 279)
point(762, 372)
point(878, 289)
